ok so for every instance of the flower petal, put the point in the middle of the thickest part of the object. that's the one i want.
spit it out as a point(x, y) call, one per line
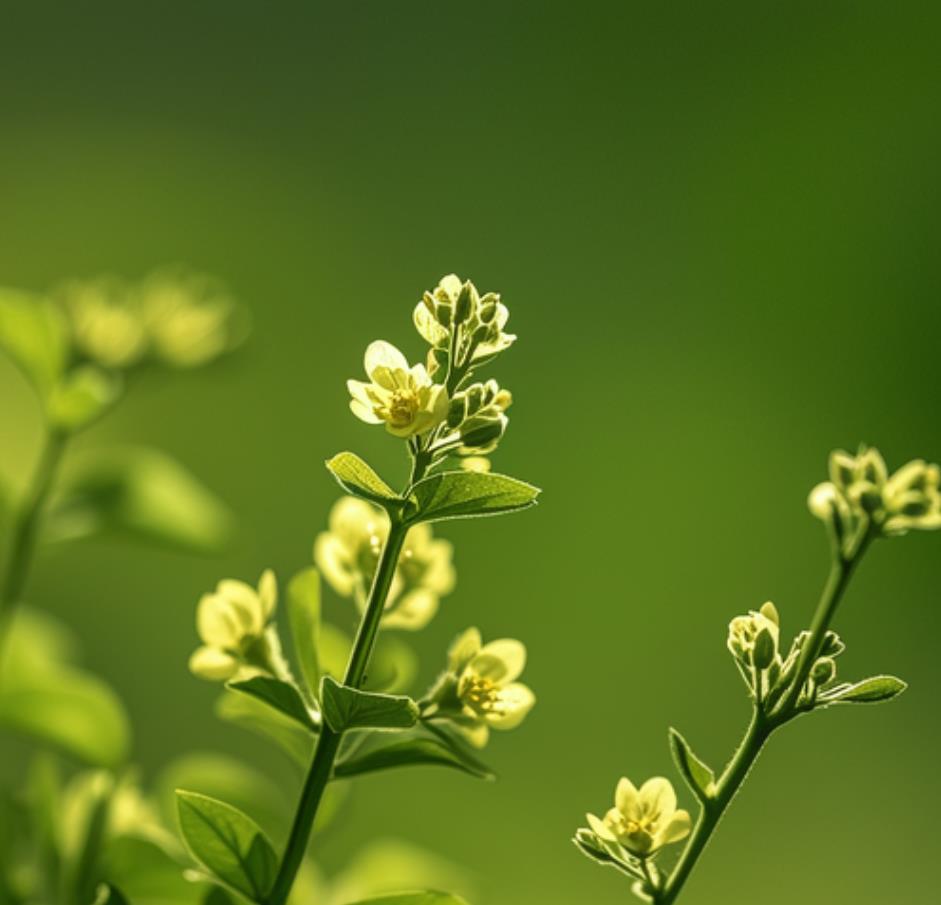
point(334, 563)
point(412, 611)
point(600, 828)
point(500, 661)
point(384, 357)
point(268, 594)
point(513, 703)
point(213, 664)
point(627, 799)
point(657, 797)
point(217, 622)
point(676, 828)
point(463, 649)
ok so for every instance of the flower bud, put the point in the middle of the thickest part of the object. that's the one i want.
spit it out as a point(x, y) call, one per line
point(457, 410)
point(488, 307)
point(824, 671)
point(466, 303)
point(765, 649)
point(482, 432)
point(832, 646)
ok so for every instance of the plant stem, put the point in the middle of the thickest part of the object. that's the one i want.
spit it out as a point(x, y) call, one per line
point(321, 767)
point(25, 529)
point(762, 725)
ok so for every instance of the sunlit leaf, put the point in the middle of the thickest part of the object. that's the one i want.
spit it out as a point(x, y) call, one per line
point(874, 690)
point(228, 843)
point(426, 897)
point(253, 715)
point(467, 494)
point(147, 874)
point(359, 479)
point(280, 696)
point(348, 708)
point(33, 332)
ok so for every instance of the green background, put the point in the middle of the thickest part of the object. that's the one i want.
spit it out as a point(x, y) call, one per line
point(715, 226)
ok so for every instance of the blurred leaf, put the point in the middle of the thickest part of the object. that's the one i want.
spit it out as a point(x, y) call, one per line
point(281, 696)
point(698, 776)
point(381, 751)
point(303, 604)
point(109, 895)
point(348, 708)
point(147, 874)
point(44, 697)
point(81, 397)
point(34, 333)
point(359, 479)
point(218, 896)
point(467, 494)
point(84, 822)
point(142, 492)
point(227, 779)
point(228, 843)
point(252, 714)
point(415, 898)
point(874, 690)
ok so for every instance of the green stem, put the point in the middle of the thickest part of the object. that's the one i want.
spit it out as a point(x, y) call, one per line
point(26, 528)
point(321, 768)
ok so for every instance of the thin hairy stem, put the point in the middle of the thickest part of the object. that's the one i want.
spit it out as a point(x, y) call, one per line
point(25, 530)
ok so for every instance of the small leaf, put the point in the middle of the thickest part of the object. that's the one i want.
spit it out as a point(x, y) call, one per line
point(303, 604)
point(280, 696)
point(467, 494)
point(227, 843)
point(348, 708)
point(82, 397)
point(143, 492)
point(874, 690)
point(34, 333)
point(425, 897)
point(699, 777)
point(252, 714)
point(384, 752)
point(358, 478)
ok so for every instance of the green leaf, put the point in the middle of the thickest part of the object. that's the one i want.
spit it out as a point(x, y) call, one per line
point(255, 716)
point(425, 897)
point(874, 690)
point(142, 492)
point(147, 873)
point(358, 478)
point(467, 494)
point(46, 698)
point(303, 604)
point(227, 843)
point(81, 397)
point(699, 777)
point(280, 696)
point(348, 708)
point(385, 752)
point(34, 333)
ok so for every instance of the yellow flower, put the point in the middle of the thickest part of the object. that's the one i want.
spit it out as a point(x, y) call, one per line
point(860, 489)
point(642, 821)
point(107, 324)
point(347, 555)
point(233, 623)
point(189, 318)
point(402, 397)
point(487, 689)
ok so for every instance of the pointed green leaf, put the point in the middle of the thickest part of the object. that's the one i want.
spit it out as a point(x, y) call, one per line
point(348, 708)
point(874, 690)
point(467, 494)
point(81, 397)
point(698, 776)
point(34, 333)
point(385, 752)
point(303, 603)
point(227, 843)
point(425, 897)
point(251, 714)
point(142, 492)
point(280, 696)
point(358, 478)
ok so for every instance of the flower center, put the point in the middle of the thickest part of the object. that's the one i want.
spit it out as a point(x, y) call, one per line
point(482, 695)
point(402, 408)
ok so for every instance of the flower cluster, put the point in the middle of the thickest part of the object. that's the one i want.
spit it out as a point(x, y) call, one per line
point(478, 691)
point(234, 624)
point(178, 318)
point(436, 407)
point(861, 496)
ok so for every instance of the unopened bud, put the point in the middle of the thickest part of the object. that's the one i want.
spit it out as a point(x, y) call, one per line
point(824, 671)
point(765, 649)
point(466, 302)
point(488, 307)
point(457, 410)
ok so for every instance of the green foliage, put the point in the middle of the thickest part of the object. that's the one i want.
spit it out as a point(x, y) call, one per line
point(227, 843)
point(82, 397)
point(303, 606)
point(110, 895)
point(359, 479)
point(142, 492)
point(147, 873)
point(698, 776)
point(381, 751)
point(34, 334)
point(467, 494)
point(281, 696)
point(426, 897)
point(256, 716)
point(873, 690)
point(349, 708)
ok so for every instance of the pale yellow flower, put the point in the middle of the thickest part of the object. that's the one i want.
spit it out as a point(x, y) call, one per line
point(106, 320)
point(348, 552)
point(642, 821)
point(403, 398)
point(753, 638)
point(233, 624)
point(487, 689)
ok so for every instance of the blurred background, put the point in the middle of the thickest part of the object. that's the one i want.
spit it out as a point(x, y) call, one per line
point(715, 226)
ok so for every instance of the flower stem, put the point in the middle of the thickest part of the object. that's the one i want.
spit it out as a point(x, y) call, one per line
point(321, 767)
point(26, 528)
point(762, 725)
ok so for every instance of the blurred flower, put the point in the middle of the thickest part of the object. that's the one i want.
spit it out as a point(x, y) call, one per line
point(403, 398)
point(642, 821)
point(348, 552)
point(233, 625)
point(484, 682)
point(861, 492)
